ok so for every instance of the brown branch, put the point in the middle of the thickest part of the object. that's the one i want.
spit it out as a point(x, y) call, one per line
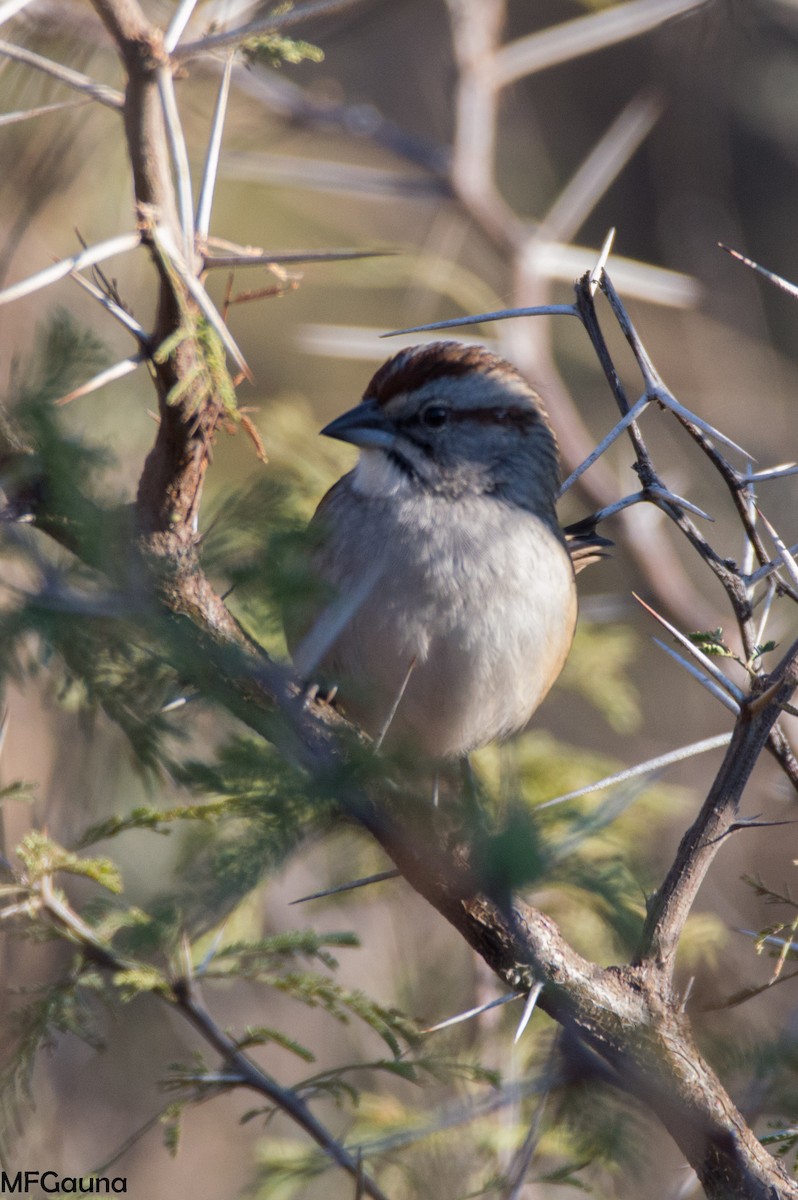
point(725, 571)
point(183, 996)
point(730, 477)
point(627, 1016)
point(170, 487)
point(670, 906)
point(476, 28)
point(632, 1023)
point(187, 1002)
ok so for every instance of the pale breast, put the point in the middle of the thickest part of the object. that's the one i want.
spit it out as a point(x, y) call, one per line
point(474, 625)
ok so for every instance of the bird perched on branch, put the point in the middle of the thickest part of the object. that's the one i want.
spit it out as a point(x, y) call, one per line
point(453, 598)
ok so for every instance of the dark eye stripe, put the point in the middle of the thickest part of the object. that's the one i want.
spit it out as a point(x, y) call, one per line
point(521, 418)
point(424, 439)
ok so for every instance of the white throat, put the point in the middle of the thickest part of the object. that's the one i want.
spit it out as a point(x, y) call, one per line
point(376, 475)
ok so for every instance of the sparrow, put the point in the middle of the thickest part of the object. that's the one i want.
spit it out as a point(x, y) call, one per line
point(450, 597)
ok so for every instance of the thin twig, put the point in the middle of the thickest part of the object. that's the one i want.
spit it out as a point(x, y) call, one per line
point(237, 37)
point(183, 996)
point(108, 96)
point(186, 1000)
point(669, 908)
point(288, 258)
point(110, 305)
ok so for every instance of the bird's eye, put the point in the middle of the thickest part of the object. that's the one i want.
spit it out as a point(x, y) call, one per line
point(434, 416)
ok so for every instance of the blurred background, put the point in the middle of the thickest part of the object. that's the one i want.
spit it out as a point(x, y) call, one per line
point(679, 134)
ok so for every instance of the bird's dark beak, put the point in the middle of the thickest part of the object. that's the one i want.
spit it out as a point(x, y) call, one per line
point(366, 426)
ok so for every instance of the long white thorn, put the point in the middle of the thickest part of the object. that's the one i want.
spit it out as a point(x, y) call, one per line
point(335, 618)
point(787, 560)
point(634, 412)
point(618, 506)
point(209, 176)
point(178, 24)
point(645, 768)
point(27, 114)
point(703, 679)
point(766, 607)
point(747, 564)
point(472, 1012)
point(548, 310)
point(122, 315)
point(394, 707)
point(697, 653)
point(679, 502)
point(669, 400)
point(778, 472)
point(73, 79)
point(769, 568)
point(180, 163)
point(601, 262)
point(784, 284)
point(85, 258)
point(10, 9)
point(529, 1008)
point(118, 371)
point(351, 886)
point(203, 300)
